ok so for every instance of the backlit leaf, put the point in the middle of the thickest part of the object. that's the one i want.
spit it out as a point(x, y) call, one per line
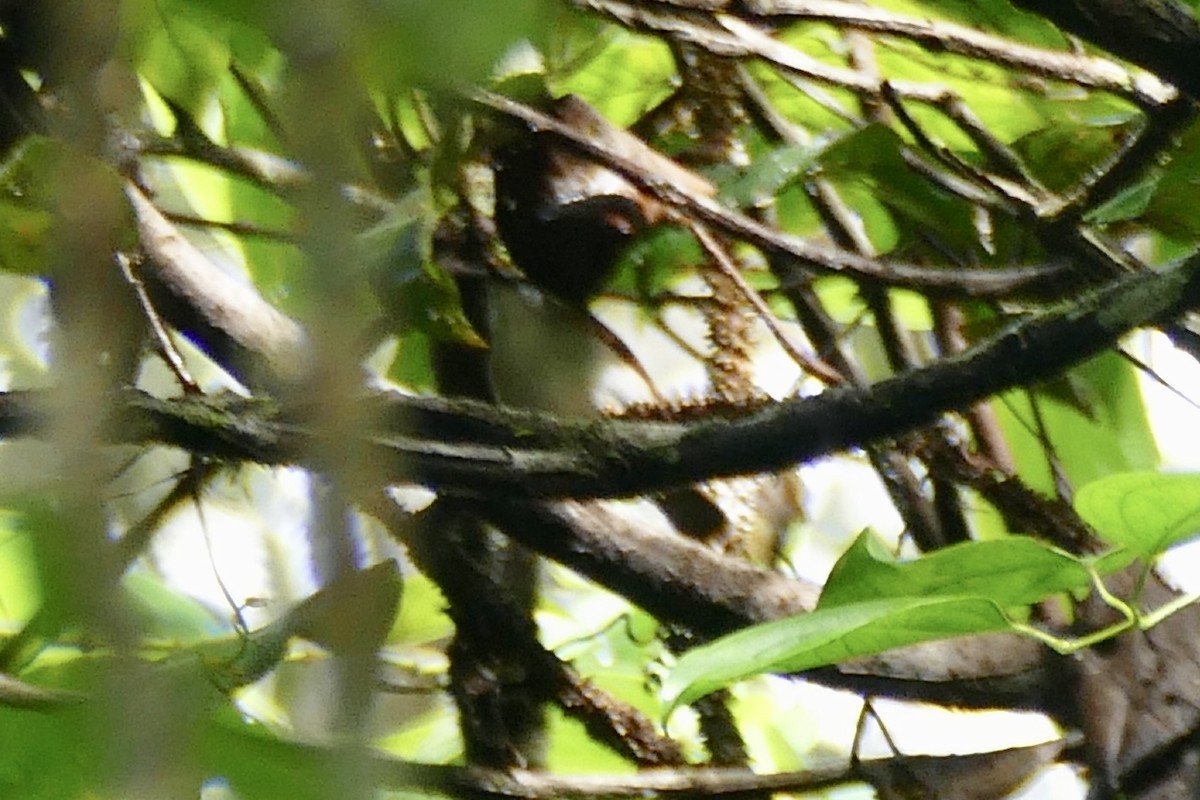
point(1144, 511)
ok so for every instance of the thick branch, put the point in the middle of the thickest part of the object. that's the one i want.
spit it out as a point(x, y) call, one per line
point(680, 581)
point(622, 458)
point(993, 774)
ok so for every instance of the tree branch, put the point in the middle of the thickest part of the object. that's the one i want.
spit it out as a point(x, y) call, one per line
point(992, 774)
point(728, 35)
point(522, 456)
point(1032, 280)
point(1160, 35)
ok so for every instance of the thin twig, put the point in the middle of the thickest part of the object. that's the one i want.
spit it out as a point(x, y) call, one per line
point(958, 281)
point(1091, 71)
point(162, 337)
point(810, 363)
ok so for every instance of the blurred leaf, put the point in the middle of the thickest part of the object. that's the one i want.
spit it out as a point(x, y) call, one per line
point(1129, 203)
point(20, 593)
point(33, 180)
point(259, 764)
point(655, 261)
point(61, 753)
point(416, 294)
point(577, 751)
point(411, 364)
point(422, 616)
point(1172, 207)
point(25, 235)
point(862, 151)
point(132, 712)
point(767, 174)
point(998, 16)
point(166, 614)
point(1147, 512)
point(397, 44)
point(23, 328)
point(871, 174)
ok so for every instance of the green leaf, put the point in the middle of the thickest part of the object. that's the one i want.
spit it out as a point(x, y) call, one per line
point(1129, 203)
point(1094, 419)
point(627, 76)
point(872, 603)
point(180, 48)
point(260, 765)
point(1060, 154)
point(870, 172)
point(1011, 571)
point(762, 180)
point(827, 636)
point(1172, 207)
point(166, 614)
point(35, 179)
point(422, 616)
point(37, 769)
point(417, 295)
point(20, 593)
point(25, 237)
point(82, 749)
point(1144, 511)
point(655, 261)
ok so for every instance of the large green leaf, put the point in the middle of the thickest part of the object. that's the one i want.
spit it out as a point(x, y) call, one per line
point(873, 603)
point(1144, 511)
point(1094, 422)
point(1011, 571)
point(827, 636)
point(60, 753)
point(120, 712)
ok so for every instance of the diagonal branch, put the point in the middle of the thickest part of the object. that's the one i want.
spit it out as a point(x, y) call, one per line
point(1159, 35)
point(728, 35)
point(983, 283)
point(616, 458)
